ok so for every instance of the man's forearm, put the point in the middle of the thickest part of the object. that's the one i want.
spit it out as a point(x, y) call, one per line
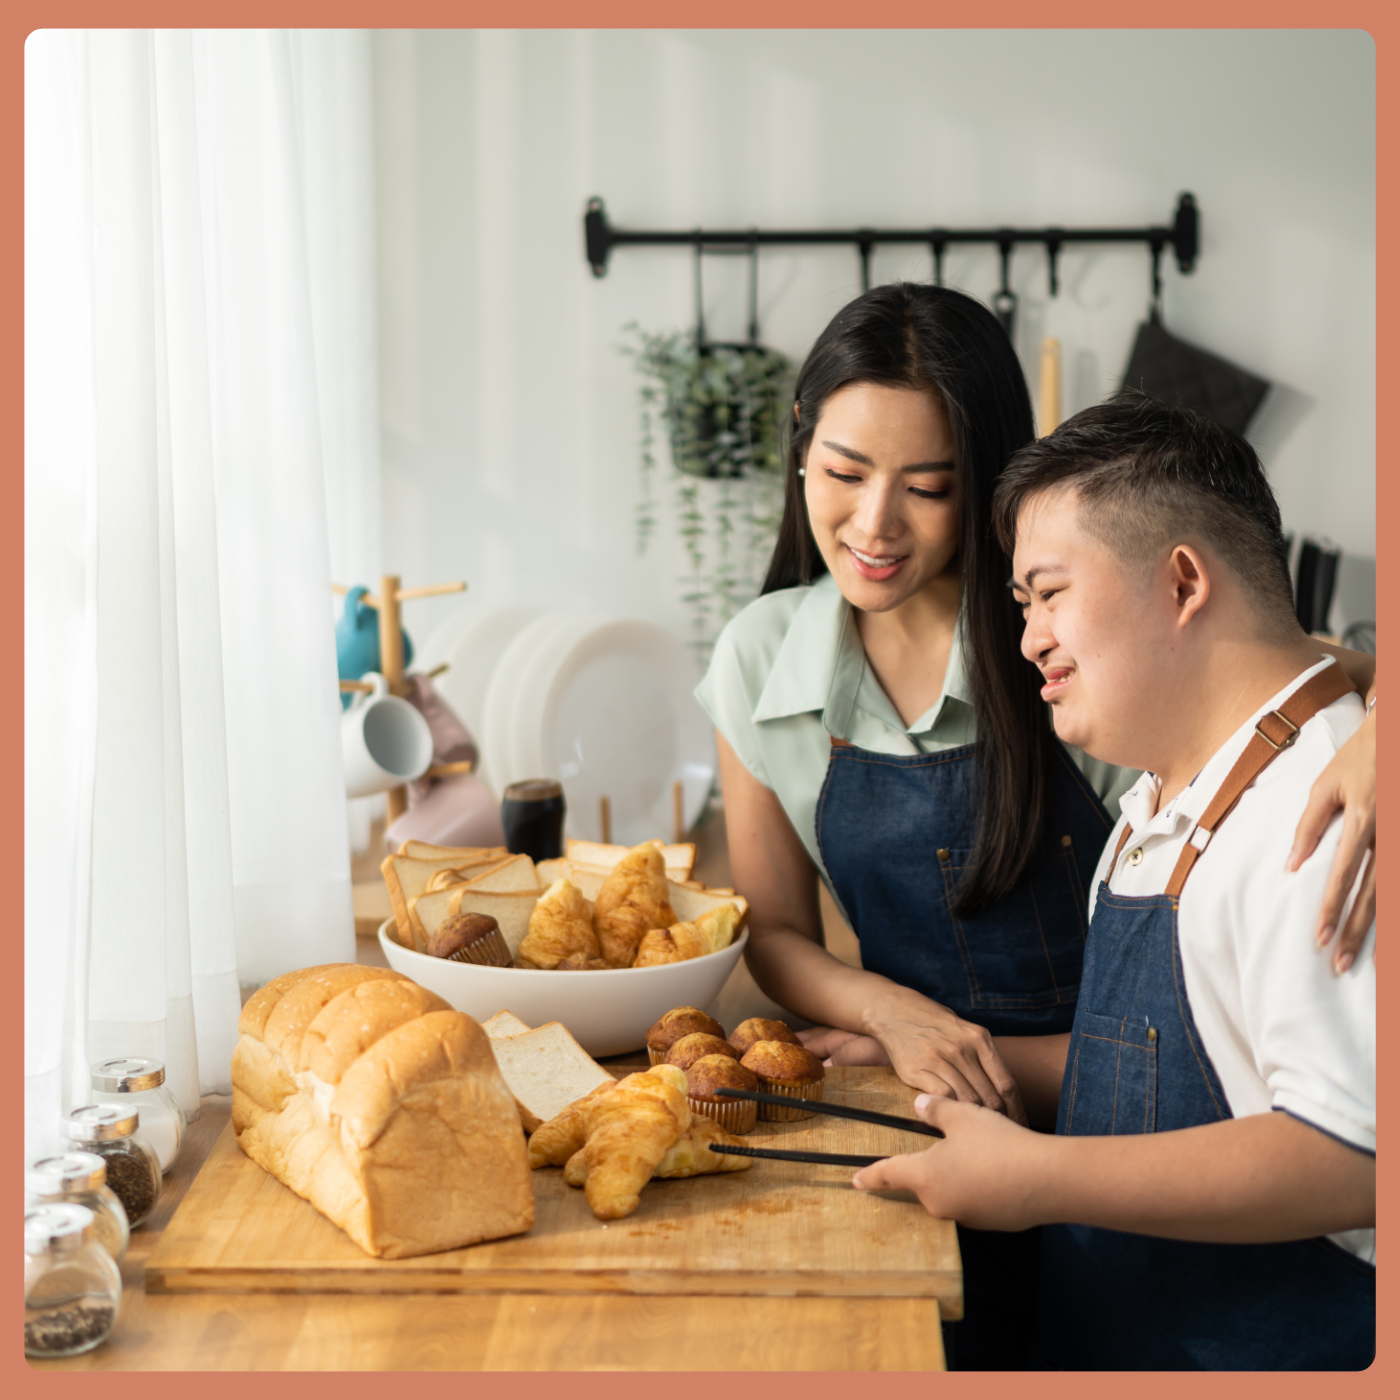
point(1250, 1180)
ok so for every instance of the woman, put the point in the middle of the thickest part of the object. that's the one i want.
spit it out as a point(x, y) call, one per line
point(879, 728)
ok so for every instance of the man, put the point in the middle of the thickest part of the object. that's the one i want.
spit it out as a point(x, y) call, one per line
point(1211, 1181)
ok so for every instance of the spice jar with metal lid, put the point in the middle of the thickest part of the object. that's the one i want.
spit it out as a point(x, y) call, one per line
point(142, 1081)
point(80, 1179)
point(72, 1286)
point(133, 1169)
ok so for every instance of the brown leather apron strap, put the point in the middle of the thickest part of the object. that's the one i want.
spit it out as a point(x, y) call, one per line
point(840, 743)
point(1118, 850)
point(1274, 733)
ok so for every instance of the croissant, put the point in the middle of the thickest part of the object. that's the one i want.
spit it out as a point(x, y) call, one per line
point(561, 925)
point(633, 899)
point(690, 1154)
point(554, 1142)
point(708, 934)
point(629, 1132)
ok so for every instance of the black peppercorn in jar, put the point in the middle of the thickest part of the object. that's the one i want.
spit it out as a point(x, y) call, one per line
point(133, 1169)
point(72, 1287)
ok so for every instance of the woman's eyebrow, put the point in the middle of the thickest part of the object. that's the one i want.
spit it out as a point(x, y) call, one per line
point(866, 461)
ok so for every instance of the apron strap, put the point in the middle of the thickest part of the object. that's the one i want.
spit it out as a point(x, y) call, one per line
point(1118, 851)
point(840, 743)
point(1274, 733)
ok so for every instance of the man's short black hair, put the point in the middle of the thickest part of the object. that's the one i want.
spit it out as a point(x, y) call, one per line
point(1149, 476)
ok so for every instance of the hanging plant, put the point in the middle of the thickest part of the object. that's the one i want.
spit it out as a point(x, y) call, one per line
point(723, 408)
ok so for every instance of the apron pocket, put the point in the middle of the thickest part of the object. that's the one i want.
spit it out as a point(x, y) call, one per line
point(1027, 951)
point(1111, 1076)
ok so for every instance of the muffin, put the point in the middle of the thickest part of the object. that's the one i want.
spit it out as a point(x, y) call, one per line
point(473, 938)
point(790, 1070)
point(690, 1048)
point(712, 1072)
point(678, 1022)
point(757, 1028)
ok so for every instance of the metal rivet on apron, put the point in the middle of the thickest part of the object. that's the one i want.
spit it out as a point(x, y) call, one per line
point(1151, 1033)
point(1136, 856)
point(1066, 840)
point(943, 853)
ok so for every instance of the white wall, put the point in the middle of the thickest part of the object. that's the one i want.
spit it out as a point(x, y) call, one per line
point(510, 419)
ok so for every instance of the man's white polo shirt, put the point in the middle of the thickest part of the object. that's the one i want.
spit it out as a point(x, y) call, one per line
point(1282, 1030)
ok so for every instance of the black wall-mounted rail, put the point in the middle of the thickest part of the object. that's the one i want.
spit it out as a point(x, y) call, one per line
point(1182, 236)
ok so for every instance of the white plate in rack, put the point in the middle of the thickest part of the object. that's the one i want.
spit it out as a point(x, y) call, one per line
point(617, 717)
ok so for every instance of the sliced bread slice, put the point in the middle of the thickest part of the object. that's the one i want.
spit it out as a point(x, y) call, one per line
point(511, 909)
point(546, 1070)
point(469, 855)
point(504, 1023)
point(680, 856)
point(517, 873)
point(406, 877)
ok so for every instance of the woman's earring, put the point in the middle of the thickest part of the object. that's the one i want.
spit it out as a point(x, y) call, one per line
point(802, 471)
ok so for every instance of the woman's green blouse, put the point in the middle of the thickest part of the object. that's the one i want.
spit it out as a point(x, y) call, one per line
point(789, 674)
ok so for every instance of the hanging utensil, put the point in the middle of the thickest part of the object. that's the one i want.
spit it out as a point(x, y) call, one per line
point(1004, 300)
point(1186, 376)
point(1050, 408)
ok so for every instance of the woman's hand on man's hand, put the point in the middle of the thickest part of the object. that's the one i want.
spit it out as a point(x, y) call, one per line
point(931, 1049)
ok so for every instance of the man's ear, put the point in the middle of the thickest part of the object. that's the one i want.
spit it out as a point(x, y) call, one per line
point(1189, 579)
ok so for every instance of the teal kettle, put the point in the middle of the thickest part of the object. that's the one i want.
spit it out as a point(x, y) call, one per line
point(357, 640)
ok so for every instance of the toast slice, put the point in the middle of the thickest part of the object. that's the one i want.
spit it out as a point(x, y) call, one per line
point(511, 909)
point(407, 877)
point(504, 1023)
point(515, 874)
point(469, 855)
point(546, 1070)
point(680, 856)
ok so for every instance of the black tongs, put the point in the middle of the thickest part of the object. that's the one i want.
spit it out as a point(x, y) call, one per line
point(834, 1110)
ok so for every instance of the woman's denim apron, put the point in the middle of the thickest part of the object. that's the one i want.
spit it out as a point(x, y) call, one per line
point(895, 833)
point(1115, 1301)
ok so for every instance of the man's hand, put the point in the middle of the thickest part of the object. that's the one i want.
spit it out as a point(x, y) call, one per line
point(835, 1047)
point(983, 1174)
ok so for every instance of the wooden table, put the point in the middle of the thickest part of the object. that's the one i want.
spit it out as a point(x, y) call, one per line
point(509, 1332)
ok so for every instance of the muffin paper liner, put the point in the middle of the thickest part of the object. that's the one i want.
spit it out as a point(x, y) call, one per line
point(657, 1057)
point(770, 1113)
point(733, 1115)
point(487, 951)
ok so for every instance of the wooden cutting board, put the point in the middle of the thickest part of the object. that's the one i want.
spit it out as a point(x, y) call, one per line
point(780, 1229)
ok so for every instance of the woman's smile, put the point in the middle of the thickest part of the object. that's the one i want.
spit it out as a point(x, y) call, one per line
point(876, 567)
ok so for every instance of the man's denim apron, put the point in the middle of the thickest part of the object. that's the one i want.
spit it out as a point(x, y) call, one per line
point(1115, 1301)
point(895, 833)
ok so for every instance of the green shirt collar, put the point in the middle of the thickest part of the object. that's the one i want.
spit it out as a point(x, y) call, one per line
point(821, 666)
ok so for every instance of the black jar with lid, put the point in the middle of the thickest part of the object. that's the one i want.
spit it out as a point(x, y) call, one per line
point(133, 1169)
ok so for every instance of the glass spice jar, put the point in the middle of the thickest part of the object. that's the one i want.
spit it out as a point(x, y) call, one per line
point(133, 1169)
point(72, 1287)
point(80, 1179)
point(142, 1082)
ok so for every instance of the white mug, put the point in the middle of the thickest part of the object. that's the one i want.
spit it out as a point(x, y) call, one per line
point(384, 740)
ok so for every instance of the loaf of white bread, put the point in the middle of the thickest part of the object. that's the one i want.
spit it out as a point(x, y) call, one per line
point(372, 1098)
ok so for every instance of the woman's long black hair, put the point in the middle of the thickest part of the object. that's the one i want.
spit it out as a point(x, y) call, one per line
point(911, 336)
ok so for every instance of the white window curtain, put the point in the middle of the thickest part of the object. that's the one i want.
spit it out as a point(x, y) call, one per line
point(201, 441)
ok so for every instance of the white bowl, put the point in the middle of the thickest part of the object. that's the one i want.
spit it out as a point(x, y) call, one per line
point(608, 1013)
